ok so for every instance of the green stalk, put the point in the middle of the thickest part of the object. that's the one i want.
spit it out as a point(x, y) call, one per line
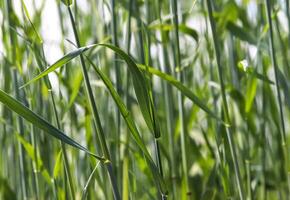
point(225, 104)
point(118, 82)
point(180, 77)
point(148, 62)
point(283, 142)
point(248, 172)
point(126, 163)
point(85, 190)
point(22, 163)
point(263, 131)
point(288, 18)
point(61, 21)
point(63, 148)
point(97, 121)
point(145, 59)
point(263, 111)
point(35, 163)
point(13, 57)
point(274, 63)
point(6, 128)
point(218, 138)
point(232, 60)
point(115, 42)
point(140, 35)
point(169, 108)
point(283, 49)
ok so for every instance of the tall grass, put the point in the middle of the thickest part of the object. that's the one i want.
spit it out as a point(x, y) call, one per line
point(144, 99)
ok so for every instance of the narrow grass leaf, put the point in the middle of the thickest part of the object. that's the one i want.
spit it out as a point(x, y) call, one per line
point(62, 61)
point(139, 84)
point(139, 81)
point(85, 190)
point(131, 125)
point(76, 88)
point(241, 33)
point(185, 91)
point(182, 28)
point(30, 152)
point(262, 77)
point(251, 92)
point(57, 165)
point(38, 37)
point(285, 87)
point(39, 122)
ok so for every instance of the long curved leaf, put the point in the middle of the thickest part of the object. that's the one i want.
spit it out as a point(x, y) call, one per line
point(184, 90)
point(39, 122)
point(62, 61)
point(131, 125)
point(139, 84)
point(30, 152)
point(138, 80)
point(141, 91)
point(182, 28)
point(241, 33)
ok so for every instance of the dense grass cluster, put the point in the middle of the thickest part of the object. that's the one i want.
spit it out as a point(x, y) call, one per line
point(145, 99)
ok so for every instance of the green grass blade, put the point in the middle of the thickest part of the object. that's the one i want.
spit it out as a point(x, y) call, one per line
point(232, 146)
point(39, 122)
point(38, 37)
point(85, 190)
point(76, 88)
point(100, 132)
point(285, 86)
point(250, 94)
point(30, 152)
point(182, 88)
point(138, 78)
point(57, 165)
point(241, 33)
point(182, 28)
point(139, 82)
point(131, 125)
point(141, 92)
point(62, 61)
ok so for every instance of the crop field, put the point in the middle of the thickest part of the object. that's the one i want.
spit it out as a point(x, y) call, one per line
point(145, 99)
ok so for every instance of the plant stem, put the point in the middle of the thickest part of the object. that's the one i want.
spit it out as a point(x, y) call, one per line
point(118, 85)
point(274, 63)
point(145, 50)
point(97, 121)
point(180, 77)
point(63, 149)
point(35, 163)
point(282, 131)
point(126, 161)
point(288, 19)
point(20, 147)
point(224, 99)
point(148, 62)
point(169, 107)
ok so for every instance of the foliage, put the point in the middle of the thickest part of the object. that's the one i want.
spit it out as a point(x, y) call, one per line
point(144, 99)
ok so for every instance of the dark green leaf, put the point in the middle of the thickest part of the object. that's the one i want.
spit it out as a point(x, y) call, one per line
point(241, 33)
point(185, 91)
point(39, 122)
